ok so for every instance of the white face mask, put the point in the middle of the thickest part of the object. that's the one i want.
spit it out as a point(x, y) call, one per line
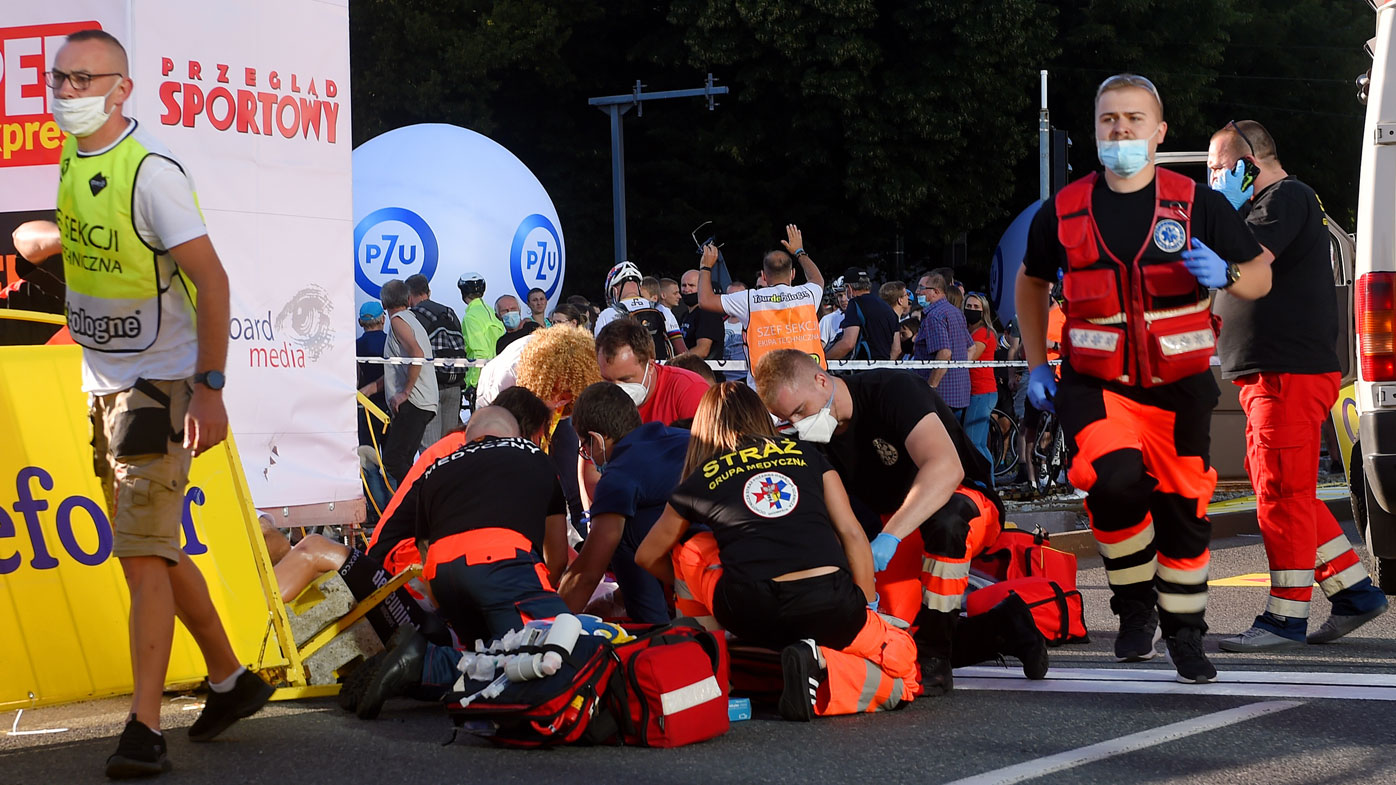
point(637, 391)
point(818, 427)
point(82, 116)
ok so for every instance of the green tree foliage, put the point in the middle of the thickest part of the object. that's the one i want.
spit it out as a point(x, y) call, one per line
point(858, 119)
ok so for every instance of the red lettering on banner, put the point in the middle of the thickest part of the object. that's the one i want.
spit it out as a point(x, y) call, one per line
point(28, 135)
point(268, 112)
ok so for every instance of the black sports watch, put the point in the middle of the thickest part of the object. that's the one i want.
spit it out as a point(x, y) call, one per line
point(214, 380)
point(1233, 274)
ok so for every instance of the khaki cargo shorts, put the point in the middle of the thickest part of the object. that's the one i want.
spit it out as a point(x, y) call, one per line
point(139, 455)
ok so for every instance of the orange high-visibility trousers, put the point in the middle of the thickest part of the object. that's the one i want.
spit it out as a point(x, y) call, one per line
point(1148, 480)
point(1284, 418)
point(877, 671)
point(931, 566)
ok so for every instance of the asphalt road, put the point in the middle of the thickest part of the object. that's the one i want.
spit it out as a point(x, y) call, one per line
point(1324, 714)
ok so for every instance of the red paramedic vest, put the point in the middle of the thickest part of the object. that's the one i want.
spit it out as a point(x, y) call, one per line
point(1146, 322)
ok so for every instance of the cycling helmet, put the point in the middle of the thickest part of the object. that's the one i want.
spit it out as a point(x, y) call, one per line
point(471, 283)
point(625, 271)
point(838, 285)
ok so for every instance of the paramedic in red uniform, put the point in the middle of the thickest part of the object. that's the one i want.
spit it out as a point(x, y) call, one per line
point(903, 456)
point(1287, 369)
point(1140, 248)
point(784, 563)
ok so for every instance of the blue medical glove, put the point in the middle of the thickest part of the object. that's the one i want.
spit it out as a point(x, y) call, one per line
point(1235, 184)
point(1042, 387)
point(872, 606)
point(883, 546)
point(1204, 264)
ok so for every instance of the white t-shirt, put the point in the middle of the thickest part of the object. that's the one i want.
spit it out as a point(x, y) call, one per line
point(738, 304)
point(632, 304)
point(500, 373)
point(830, 326)
point(165, 215)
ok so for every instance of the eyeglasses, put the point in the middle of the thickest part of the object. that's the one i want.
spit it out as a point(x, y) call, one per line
point(80, 80)
point(584, 447)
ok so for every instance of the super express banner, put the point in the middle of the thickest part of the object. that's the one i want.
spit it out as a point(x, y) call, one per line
point(253, 98)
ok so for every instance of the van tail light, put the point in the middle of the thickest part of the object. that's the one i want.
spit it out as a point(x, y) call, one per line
point(1376, 326)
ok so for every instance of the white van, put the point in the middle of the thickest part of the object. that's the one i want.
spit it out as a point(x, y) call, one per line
point(1374, 482)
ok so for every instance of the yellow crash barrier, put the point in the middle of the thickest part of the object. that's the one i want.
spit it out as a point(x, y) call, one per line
point(63, 601)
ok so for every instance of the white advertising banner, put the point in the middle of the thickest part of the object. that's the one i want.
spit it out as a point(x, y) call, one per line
point(253, 98)
point(441, 200)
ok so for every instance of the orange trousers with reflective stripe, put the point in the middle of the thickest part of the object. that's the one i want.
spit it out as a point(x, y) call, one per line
point(1284, 420)
point(876, 672)
point(1148, 479)
point(931, 566)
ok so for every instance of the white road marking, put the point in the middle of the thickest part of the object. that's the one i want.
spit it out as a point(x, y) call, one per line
point(1153, 681)
point(1135, 741)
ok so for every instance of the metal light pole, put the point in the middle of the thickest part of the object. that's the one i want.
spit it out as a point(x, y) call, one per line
point(1044, 145)
point(615, 106)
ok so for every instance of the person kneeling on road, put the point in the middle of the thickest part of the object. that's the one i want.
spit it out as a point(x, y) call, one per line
point(786, 564)
point(901, 453)
point(639, 466)
point(491, 558)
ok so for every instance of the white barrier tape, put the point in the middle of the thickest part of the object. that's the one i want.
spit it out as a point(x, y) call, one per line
point(739, 365)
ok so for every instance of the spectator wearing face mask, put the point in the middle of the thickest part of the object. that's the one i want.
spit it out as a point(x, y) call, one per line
point(515, 325)
point(702, 330)
point(983, 387)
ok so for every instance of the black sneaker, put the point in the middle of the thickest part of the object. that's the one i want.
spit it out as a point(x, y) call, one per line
point(1139, 634)
point(1185, 652)
point(221, 709)
point(352, 687)
point(139, 753)
point(936, 677)
point(800, 667)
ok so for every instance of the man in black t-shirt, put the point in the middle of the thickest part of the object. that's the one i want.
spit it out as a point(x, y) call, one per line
point(1137, 393)
point(869, 324)
point(1288, 372)
point(703, 332)
point(901, 453)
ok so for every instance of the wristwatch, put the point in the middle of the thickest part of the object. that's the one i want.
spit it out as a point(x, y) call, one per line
point(1233, 274)
point(213, 380)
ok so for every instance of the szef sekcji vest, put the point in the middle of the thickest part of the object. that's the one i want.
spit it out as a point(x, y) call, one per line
point(1146, 322)
point(113, 275)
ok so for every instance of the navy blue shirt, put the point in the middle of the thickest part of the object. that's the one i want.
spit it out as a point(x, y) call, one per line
point(370, 344)
point(640, 475)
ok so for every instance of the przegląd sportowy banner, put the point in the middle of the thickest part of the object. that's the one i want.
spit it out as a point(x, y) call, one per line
point(253, 99)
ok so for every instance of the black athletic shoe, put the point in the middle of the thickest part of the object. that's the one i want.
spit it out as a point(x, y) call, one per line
point(221, 709)
point(139, 753)
point(1139, 634)
point(936, 678)
point(399, 670)
point(800, 667)
point(1185, 651)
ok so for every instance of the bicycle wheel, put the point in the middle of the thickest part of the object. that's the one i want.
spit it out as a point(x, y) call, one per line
point(1003, 444)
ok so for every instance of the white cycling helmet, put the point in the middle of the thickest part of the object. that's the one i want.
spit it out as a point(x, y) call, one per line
point(625, 271)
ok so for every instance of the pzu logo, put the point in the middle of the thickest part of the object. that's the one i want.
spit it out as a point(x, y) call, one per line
point(536, 256)
point(389, 243)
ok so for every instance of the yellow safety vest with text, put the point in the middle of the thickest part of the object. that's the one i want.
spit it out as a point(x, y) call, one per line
point(113, 275)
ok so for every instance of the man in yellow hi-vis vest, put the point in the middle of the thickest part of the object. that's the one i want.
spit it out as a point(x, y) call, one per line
point(135, 250)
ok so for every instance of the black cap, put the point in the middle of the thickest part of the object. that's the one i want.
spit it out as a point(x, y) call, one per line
point(855, 274)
